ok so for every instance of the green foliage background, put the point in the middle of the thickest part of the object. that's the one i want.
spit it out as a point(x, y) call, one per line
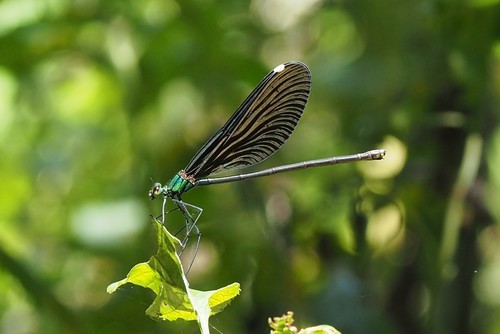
point(98, 96)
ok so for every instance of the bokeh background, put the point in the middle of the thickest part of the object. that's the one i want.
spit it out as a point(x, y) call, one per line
point(99, 96)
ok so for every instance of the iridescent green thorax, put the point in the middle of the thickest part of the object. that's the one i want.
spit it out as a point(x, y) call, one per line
point(180, 183)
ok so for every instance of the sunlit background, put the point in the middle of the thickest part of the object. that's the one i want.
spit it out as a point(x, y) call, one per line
point(98, 97)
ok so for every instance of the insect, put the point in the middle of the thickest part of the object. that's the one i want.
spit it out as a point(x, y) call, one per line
point(256, 130)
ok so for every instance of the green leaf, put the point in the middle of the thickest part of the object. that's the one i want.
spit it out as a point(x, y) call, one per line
point(174, 300)
point(284, 325)
point(321, 329)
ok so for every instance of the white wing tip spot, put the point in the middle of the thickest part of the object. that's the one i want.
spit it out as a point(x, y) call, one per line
point(279, 68)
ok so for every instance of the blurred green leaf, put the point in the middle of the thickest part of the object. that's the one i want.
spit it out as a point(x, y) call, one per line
point(322, 329)
point(284, 325)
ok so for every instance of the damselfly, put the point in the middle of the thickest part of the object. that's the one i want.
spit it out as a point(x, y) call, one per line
point(255, 131)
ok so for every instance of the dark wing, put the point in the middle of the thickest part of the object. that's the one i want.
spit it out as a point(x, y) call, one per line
point(259, 127)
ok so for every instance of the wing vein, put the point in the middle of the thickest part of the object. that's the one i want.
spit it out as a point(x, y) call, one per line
point(260, 126)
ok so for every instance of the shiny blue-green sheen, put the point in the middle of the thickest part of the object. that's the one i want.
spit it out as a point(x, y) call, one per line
point(179, 185)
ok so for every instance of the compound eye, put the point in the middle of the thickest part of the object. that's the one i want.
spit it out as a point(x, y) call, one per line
point(155, 191)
